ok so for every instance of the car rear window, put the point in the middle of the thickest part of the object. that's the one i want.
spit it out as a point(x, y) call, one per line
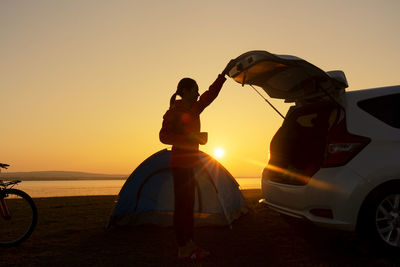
point(384, 108)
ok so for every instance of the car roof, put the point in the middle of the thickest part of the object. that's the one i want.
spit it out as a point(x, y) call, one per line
point(373, 92)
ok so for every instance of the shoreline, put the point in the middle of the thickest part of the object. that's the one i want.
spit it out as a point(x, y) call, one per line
point(244, 191)
point(64, 188)
point(27, 179)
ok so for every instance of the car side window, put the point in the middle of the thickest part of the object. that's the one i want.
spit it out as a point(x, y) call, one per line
point(384, 108)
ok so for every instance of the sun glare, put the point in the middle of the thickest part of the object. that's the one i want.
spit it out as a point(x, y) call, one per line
point(219, 152)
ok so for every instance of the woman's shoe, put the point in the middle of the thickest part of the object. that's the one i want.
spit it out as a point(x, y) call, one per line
point(195, 255)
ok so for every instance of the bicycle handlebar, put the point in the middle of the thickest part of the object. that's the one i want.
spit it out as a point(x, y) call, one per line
point(4, 166)
point(5, 184)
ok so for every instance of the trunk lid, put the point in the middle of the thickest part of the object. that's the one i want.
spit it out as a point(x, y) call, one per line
point(287, 77)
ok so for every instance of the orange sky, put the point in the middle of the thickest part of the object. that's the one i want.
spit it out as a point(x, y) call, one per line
point(84, 84)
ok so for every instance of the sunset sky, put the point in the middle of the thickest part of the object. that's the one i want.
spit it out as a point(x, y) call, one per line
point(84, 84)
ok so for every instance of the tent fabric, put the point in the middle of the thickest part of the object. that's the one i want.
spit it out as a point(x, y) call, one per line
point(147, 197)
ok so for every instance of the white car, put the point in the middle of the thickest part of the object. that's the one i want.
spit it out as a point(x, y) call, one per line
point(335, 160)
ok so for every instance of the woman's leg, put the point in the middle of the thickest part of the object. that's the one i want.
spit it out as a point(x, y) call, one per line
point(184, 192)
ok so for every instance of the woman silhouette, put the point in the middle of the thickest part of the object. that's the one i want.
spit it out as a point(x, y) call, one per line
point(181, 129)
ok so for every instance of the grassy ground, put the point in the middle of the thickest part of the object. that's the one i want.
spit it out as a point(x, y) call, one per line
point(71, 232)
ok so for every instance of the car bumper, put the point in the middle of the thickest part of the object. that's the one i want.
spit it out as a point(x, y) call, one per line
point(335, 195)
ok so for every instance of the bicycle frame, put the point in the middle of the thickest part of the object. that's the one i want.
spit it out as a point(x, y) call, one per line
point(16, 226)
point(4, 212)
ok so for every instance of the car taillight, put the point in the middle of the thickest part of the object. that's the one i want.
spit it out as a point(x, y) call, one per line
point(342, 146)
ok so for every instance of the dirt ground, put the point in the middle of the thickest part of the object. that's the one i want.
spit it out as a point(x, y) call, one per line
point(70, 232)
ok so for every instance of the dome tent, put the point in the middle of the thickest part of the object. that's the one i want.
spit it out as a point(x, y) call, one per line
point(147, 196)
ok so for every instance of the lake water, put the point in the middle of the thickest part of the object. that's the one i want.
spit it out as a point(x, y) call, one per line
point(95, 187)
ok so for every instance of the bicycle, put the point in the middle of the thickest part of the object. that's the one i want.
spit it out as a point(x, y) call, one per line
point(18, 213)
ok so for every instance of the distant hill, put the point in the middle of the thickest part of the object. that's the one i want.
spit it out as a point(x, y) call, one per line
point(59, 175)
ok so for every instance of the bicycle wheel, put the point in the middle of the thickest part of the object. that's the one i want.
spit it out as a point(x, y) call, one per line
point(18, 217)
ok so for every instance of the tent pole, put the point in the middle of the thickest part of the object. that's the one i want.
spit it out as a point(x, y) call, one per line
point(224, 209)
point(218, 196)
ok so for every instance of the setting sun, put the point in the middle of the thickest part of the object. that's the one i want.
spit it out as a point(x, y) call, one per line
point(219, 152)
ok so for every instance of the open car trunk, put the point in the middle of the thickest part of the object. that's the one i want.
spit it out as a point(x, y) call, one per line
point(286, 77)
point(297, 149)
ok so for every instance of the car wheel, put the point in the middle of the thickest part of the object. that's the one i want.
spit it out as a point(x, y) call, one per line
point(382, 219)
point(387, 219)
